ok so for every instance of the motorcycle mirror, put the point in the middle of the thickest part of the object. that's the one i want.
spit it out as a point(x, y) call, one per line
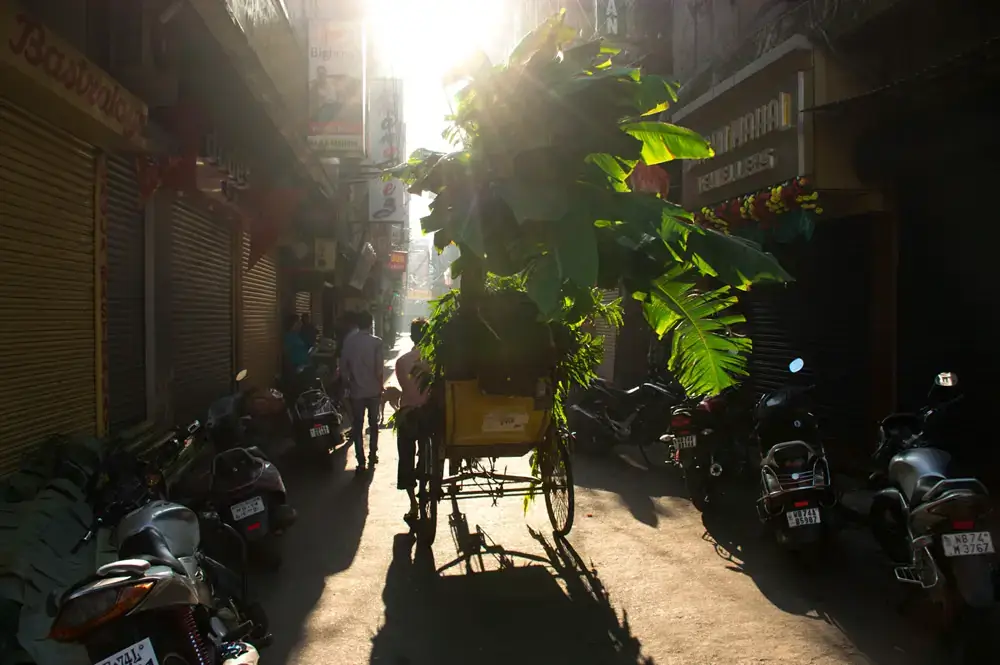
point(946, 379)
point(796, 365)
point(242, 375)
point(193, 427)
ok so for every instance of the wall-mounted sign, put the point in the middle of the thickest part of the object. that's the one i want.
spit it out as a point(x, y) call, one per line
point(397, 262)
point(33, 50)
point(387, 201)
point(325, 254)
point(756, 146)
point(337, 87)
point(385, 122)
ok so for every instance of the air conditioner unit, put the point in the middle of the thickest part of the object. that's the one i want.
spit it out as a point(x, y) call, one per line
point(325, 254)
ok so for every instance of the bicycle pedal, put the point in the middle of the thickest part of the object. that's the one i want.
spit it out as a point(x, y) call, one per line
point(907, 574)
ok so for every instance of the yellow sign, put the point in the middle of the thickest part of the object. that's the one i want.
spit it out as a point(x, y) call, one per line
point(419, 294)
point(29, 47)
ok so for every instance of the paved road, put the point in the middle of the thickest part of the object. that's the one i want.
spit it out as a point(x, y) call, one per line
point(641, 579)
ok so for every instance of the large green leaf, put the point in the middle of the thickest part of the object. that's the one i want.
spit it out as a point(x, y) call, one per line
point(736, 261)
point(706, 357)
point(531, 201)
point(663, 142)
point(543, 285)
point(576, 251)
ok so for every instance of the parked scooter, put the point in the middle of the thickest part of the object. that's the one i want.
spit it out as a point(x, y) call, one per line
point(929, 522)
point(707, 441)
point(796, 496)
point(245, 487)
point(164, 601)
point(606, 416)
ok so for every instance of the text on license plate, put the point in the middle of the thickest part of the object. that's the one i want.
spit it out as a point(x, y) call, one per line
point(140, 653)
point(683, 442)
point(803, 517)
point(319, 430)
point(966, 544)
point(245, 509)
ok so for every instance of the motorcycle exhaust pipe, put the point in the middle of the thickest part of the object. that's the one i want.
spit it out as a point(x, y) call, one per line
point(715, 469)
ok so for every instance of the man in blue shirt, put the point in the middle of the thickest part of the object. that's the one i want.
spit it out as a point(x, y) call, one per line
point(296, 352)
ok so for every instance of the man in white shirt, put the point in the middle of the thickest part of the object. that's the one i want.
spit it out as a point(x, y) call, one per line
point(362, 367)
point(409, 372)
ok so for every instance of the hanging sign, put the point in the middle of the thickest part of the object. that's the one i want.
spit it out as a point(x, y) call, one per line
point(337, 88)
point(385, 122)
point(387, 201)
point(397, 262)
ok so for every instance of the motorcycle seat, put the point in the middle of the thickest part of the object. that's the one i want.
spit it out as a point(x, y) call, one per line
point(148, 544)
point(917, 471)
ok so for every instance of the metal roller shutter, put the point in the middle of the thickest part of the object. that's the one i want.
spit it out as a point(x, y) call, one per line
point(606, 370)
point(303, 302)
point(261, 340)
point(47, 311)
point(202, 271)
point(126, 297)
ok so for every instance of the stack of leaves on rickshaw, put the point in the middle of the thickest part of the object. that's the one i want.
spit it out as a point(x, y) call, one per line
point(537, 199)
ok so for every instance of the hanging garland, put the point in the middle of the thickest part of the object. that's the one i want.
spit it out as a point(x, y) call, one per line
point(783, 212)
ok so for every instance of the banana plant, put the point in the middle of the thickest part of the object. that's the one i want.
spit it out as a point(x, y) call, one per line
point(538, 187)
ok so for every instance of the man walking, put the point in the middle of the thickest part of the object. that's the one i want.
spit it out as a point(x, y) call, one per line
point(410, 370)
point(362, 366)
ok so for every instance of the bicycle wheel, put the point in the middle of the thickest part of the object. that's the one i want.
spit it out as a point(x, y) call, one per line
point(431, 471)
point(557, 485)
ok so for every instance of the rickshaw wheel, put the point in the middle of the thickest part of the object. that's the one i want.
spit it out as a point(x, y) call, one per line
point(430, 493)
point(557, 485)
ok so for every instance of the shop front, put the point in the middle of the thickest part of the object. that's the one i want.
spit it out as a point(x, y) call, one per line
point(765, 184)
point(60, 116)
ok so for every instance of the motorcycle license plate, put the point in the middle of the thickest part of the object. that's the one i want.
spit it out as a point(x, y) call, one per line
point(140, 653)
point(319, 430)
point(967, 544)
point(683, 442)
point(245, 509)
point(803, 517)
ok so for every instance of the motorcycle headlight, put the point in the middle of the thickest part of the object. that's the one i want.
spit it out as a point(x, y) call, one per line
point(84, 613)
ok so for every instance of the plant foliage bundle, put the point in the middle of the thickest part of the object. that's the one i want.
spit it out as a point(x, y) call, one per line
point(538, 192)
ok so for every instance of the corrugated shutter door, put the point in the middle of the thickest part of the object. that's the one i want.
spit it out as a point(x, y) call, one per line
point(303, 302)
point(261, 346)
point(202, 285)
point(47, 368)
point(606, 370)
point(126, 297)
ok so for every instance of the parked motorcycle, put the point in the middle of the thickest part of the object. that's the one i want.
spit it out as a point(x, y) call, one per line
point(245, 488)
point(606, 416)
point(164, 601)
point(706, 440)
point(315, 417)
point(797, 498)
point(927, 520)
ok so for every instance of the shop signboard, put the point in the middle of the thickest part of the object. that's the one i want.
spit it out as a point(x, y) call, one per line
point(385, 122)
point(32, 50)
point(397, 262)
point(337, 88)
point(758, 135)
point(388, 201)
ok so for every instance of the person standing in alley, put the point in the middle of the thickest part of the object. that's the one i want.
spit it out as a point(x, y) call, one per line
point(362, 367)
point(308, 332)
point(410, 371)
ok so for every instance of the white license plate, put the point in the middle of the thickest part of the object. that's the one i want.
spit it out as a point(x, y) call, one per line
point(803, 517)
point(140, 653)
point(683, 442)
point(245, 509)
point(319, 430)
point(966, 544)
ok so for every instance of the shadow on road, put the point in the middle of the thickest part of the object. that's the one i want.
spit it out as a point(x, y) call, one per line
point(848, 586)
point(624, 473)
point(552, 614)
point(334, 505)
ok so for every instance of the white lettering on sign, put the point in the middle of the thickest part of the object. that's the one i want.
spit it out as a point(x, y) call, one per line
point(774, 116)
point(744, 168)
point(498, 421)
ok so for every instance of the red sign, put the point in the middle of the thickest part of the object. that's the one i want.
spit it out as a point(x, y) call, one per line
point(36, 52)
point(397, 261)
